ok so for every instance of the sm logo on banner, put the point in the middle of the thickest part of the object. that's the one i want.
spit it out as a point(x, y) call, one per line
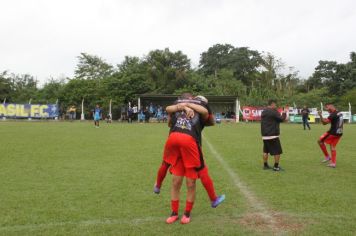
point(12, 110)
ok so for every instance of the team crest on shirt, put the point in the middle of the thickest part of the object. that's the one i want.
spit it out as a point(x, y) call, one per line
point(183, 122)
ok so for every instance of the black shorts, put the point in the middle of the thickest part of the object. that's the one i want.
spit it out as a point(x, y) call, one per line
point(272, 146)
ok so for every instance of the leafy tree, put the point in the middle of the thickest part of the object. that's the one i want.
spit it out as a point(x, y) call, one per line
point(52, 90)
point(92, 67)
point(24, 88)
point(216, 58)
point(348, 97)
point(167, 70)
point(5, 86)
point(131, 79)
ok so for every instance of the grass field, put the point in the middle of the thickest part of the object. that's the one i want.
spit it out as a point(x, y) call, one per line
point(73, 179)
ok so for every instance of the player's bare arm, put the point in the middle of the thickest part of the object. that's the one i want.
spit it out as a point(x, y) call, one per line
point(324, 121)
point(198, 108)
point(189, 109)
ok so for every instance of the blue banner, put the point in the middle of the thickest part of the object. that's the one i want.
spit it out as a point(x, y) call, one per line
point(13, 110)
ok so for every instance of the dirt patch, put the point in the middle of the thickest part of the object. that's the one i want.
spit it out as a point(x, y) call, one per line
point(273, 222)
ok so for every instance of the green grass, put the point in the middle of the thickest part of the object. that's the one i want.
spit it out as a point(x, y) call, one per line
point(73, 179)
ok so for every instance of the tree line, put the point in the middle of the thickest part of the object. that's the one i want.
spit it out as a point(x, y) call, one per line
point(223, 69)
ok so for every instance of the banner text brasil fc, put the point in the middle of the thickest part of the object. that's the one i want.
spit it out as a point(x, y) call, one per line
point(13, 110)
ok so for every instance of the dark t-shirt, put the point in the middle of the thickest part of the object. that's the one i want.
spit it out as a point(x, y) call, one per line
point(198, 102)
point(193, 127)
point(270, 120)
point(305, 112)
point(337, 123)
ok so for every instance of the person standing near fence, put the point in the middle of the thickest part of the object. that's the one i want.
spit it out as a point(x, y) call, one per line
point(97, 113)
point(305, 115)
point(72, 113)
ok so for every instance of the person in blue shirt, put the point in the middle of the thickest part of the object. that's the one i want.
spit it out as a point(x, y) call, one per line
point(97, 115)
point(159, 114)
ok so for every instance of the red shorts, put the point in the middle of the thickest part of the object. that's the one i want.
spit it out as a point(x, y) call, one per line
point(183, 154)
point(329, 139)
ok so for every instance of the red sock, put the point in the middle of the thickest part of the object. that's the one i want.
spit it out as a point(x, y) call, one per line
point(188, 207)
point(333, 156)
point(175, 206)
point(323, 148)
point(207, 183)
point(162, 171)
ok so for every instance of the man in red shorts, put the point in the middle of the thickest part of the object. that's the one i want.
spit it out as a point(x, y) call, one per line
point(203, 171)
point(333, 135)
point(183, 154)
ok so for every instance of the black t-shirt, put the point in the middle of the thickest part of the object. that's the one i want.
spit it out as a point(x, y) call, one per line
point(270, 120)
point(337, 123)
point(198, 102)
point(305, 112)
point(193, 127)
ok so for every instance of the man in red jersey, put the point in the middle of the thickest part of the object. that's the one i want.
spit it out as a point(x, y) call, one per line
point(203, 171)
point(333, 135)
point(182, 153)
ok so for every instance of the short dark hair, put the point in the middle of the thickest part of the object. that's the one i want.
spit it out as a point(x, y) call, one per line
point(271, 101)
point(186, 96)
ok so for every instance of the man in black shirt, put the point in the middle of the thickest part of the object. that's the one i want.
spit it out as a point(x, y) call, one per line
point(305, 115)
point(333, 135)
point(270, 120)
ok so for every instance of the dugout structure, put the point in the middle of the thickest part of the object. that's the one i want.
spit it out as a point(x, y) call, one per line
point(224, 106)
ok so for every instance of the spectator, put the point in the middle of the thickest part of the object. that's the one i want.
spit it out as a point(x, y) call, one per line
point(129, 115)
point(305, 115)
point(159, 114)
point(147, 114)
point(72, 113)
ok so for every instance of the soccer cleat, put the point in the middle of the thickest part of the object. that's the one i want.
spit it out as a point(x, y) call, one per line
point(332, 165)
point(218, 201)
point(172, 219)
point(326, 159)
point(277, 168)
point(185, 220)
point(156, 189)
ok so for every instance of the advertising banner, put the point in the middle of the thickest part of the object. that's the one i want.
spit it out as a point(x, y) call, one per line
point(13, 110)
point(299, 119)
point(250, 113)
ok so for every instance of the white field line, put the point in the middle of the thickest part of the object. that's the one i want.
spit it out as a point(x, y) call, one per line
point(254, 203)
point(81, 223)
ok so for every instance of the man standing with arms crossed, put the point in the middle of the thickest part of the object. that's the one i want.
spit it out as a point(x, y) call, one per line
point(332, 136)
point(270, 120)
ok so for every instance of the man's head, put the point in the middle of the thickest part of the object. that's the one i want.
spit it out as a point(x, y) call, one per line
point(186, 96)
point(97, 106)
point(272, 103)
point(201, 98)
point(330, 107)
point(305, 107)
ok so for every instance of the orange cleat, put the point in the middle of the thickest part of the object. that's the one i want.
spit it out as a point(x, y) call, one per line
point(185, 220)
point(172, 219)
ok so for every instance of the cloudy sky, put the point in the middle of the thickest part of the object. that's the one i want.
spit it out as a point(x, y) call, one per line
point(44, 37)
